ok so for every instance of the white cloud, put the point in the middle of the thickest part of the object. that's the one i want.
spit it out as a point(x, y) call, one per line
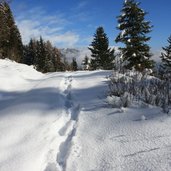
point(36, 22)
point(80, 5)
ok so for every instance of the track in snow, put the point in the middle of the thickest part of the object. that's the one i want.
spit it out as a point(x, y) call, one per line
point(69, 129)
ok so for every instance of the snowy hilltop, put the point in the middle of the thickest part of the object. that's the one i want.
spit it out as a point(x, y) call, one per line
point(62, 121)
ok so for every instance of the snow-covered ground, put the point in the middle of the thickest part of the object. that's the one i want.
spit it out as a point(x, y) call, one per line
point(61, 122)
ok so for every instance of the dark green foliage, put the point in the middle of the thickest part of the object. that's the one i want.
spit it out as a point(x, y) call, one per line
point(166, 58)
point(102, 56)
point(40, 56)
point(74, 65)
point(30, 53)
point(10, 39)
point(136, 53)
point(43, 56)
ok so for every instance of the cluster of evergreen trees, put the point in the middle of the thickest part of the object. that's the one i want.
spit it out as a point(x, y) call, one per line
point(135, 54)
point(133, 29)
point(43, 56)
point(39, 53)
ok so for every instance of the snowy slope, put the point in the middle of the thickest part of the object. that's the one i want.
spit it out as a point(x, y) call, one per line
point(61, 122)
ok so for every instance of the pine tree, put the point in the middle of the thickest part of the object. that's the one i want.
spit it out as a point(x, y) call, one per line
point(48, 65)
point(74, 64)
point(136, 53)
point(10, 39)
point(166, 58)
point(59, 66)
point(40, 56)
point(30, 53)
point(102, 55)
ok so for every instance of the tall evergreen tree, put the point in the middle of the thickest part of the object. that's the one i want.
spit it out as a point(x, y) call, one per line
point(74, 64)
point(48, 65)
point(102, 56)
point(166, 57)
point(40, 56)
point(10, 38)
point(58, 64)
point(134, 28)
point(30, 53)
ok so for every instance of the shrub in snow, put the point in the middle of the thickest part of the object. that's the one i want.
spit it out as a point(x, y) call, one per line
point(133, 86)
point(114, 101)
point(126, 99)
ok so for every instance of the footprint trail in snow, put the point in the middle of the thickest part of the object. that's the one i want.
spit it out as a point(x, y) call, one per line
point(69, 129)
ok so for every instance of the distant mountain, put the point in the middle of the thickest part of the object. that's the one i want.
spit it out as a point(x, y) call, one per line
point(78, 53)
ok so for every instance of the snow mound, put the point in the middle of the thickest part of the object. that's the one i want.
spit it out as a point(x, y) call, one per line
point(14, 75)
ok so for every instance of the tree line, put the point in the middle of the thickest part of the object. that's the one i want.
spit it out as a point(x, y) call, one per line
point(41, 54)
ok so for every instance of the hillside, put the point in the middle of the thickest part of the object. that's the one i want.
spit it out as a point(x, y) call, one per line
point(62, 122)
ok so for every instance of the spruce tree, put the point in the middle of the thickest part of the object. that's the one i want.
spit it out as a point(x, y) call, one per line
point(48, 64)
point(74, 64)
point(40, 56)
point(136, 53)
point(59, 66)
point(102, 56)
point(166, 58)
point(10, 39)
point(30, 53)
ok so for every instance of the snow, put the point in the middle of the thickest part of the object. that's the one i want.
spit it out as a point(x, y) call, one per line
point(122, 34)
point(129, 40)
point(62, 121)
point(134, 54)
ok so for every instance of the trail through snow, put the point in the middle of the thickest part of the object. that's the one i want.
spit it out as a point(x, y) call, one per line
point(61, 122)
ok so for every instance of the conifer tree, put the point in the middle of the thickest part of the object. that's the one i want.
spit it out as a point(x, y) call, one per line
point(102, 55)
point(74, 64)
point(30, 53)
point(48, 64)
point(58, 65)
point(166, 58)
point(40, 56)
point(10, 38)
point(136, 53)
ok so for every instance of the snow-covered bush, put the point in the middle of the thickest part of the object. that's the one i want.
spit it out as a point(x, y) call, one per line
point(114, 101)
point(133, 86)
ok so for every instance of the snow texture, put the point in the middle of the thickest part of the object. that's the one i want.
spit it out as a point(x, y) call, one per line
point(61, 122)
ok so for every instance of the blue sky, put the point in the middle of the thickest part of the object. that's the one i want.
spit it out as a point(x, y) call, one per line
point(72, 23)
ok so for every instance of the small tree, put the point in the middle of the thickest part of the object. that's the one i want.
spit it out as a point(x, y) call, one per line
point(136, 53)
point(102, 56)
point(86, 63)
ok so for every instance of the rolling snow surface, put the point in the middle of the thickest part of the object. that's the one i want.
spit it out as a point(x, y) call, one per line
point(61, 122)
